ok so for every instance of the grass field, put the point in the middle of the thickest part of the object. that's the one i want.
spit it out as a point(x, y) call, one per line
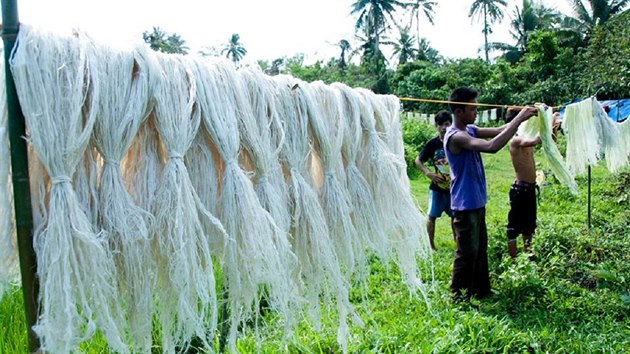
point(572, 297)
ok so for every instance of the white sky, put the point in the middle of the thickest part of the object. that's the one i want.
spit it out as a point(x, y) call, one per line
point(268, 28)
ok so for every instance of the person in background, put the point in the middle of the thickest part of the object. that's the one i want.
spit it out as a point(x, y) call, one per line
point(522, 215)
point(439, 189)
point(463, 144)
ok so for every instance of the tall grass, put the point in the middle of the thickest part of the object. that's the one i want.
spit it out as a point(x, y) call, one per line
point(571, 297)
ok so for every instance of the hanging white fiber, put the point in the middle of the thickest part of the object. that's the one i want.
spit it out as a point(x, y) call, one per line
point(541, 125)
point(263, 145)
point(9, 270)
point(403, 221)
point(256, 254)
point(186, 296)
point(613, 148)
point(319, 267)
point(581, 132)
point(366, 220)
point(386, 111)
point(122, 107)
point(327, 131)
point(76, 270)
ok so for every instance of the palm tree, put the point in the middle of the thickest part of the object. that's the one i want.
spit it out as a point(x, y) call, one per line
point(491, 11)
point(531, 16)
point(344, 45)
point(428, 53)
point(159, 40)
point(598, 12)
point(417, 7)
point(374, 18)
point(403, 48)
point(233, 49)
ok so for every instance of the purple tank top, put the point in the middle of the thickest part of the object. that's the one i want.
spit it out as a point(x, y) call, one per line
point(468, 178)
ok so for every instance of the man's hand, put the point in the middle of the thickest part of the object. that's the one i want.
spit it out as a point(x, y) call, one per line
point(526, 113)
point(436, 178)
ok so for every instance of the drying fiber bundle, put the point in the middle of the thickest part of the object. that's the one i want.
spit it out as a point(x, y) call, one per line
point(541, 125)
point(122, 107)
point(186, 295)
point(327, 132)
point(613, 147)
point(75, 268)
point(403, 221)
point(319, 268)
point(255, 255)
point(581, 131)
point(387, 110)
point(9, 270)
point(364, 215)
point(263, 144)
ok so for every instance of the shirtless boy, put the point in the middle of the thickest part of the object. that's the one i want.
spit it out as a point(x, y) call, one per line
point(522, 215)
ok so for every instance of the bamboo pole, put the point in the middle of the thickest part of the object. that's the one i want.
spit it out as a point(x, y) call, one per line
point(20, 177)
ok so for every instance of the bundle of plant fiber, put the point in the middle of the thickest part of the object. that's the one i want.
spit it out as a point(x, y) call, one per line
point(403, 221)
point(122, 107)
point(319, 269)
point(255, 255)
point(364, 215)
point(186, 296)
point(613, 148)
point(580, 129)
point(75, 268)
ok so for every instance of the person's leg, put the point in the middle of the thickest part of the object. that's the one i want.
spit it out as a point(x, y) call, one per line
point(481, 280)
point(435, 210)
point(511, 243)
point(467, 241)
point(529, 226)
point(431, 231)
point(514, 217)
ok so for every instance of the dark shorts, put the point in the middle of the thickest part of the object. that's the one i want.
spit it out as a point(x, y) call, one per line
point(522, 215)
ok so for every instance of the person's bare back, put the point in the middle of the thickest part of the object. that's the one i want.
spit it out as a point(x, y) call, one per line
point(522, 154)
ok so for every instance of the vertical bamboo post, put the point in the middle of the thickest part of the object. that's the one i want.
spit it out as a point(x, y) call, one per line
point(19, 168)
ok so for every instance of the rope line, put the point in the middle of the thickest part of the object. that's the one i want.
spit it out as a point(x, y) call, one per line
point(464, 103)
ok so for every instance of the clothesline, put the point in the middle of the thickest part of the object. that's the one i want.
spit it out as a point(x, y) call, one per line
point(464, 103)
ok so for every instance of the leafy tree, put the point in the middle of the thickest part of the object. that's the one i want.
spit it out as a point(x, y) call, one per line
point(490, 11)
point(604, 68)
point(161, 41)
point(234, 50)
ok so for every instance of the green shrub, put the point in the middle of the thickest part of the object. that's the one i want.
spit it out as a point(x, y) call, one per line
point(415, 135)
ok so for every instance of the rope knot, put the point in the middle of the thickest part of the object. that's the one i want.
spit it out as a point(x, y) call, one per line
point(61, 179)
point(175, 155)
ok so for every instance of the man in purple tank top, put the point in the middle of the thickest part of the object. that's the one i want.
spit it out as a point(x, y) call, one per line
point(463, 144)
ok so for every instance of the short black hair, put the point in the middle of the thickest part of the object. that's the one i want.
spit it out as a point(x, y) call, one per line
point(443, 116)
point(511, 113)
point(462, 94)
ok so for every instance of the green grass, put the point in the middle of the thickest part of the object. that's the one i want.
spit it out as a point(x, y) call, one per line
point(572, 298)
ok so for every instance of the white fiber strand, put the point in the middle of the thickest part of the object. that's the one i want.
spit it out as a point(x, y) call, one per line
point(76, 271)
point(254, 256)
point(186, 294)
point(122, 107)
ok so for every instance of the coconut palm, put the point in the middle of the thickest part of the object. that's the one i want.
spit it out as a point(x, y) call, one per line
point(344, 45)
point(404, 46)
point(531, 16)
point(591, 13)
point(161, 41)
point(374, 18)
point(490, 11)
point(234, 50)
point(416, 8)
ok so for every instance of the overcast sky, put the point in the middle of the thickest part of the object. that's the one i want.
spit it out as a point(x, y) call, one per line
point(268, 28)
